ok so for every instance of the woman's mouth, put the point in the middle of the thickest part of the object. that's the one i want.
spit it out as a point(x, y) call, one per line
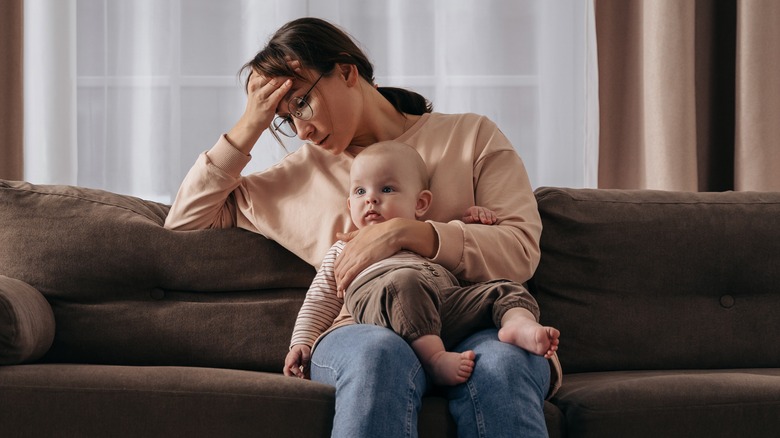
point(321, 142)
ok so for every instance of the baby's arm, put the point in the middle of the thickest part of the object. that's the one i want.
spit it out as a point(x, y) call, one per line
point(320, 308)
point(477, 215)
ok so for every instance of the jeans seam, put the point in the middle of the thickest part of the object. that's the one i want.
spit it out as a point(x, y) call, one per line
point(477, 410)
point(410, 406)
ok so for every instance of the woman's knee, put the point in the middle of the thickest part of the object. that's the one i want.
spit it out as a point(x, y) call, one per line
point(506, 364)
point(367, 346)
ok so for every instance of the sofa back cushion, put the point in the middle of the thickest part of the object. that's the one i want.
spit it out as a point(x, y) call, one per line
point(660, 280)
point(125, 290)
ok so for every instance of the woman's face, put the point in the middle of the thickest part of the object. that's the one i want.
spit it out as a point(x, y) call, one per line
point(335, 103)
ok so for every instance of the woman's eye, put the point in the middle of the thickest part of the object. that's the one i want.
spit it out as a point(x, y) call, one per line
point(298, 103)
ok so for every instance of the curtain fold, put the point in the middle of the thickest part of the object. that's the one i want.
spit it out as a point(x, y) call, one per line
point(689, 95)
point(758, 96)
point(11, 76)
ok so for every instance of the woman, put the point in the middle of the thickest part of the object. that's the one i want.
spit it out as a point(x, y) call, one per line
point(311, 80)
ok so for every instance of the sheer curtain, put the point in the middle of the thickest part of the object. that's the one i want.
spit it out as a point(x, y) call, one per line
point(123, 95)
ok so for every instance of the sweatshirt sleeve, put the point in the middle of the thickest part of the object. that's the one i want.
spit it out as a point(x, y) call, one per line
point(205, 198)
point(510, 248)
point(321, 305)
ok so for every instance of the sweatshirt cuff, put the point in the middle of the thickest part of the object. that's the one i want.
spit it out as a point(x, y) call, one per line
point(451, 241)
point(227, 158)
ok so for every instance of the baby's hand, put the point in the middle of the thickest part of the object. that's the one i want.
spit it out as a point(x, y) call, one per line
point(479, 215)
point(297, 361)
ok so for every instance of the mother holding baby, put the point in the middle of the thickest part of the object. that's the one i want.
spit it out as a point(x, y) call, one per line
point(312, 81)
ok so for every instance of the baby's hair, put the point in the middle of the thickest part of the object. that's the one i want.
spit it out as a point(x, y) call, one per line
point(399, 151)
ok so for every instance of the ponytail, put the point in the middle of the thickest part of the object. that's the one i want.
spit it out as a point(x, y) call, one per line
point(406, 101)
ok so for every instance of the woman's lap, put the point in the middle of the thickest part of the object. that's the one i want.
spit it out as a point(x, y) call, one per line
point(376, 374)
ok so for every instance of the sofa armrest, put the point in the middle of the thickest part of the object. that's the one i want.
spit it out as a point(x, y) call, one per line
point(26, 322)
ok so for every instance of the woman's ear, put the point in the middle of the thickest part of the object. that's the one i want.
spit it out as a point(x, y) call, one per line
point(423, 203)
point(349, 73)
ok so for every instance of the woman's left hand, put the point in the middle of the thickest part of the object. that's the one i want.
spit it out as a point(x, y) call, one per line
point(378, 242)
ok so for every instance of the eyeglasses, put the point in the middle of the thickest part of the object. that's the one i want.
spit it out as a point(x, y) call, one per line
point(299, 108)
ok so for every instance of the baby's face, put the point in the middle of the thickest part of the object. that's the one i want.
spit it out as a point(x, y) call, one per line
point(382, 189)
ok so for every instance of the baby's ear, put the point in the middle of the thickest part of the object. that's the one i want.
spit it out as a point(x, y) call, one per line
point(423, 203)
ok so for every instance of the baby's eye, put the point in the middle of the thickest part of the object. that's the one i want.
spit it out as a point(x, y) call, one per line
point(387, 189)
point(360, 191)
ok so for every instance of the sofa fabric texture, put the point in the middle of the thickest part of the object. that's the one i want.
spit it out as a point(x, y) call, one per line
point(665, 301)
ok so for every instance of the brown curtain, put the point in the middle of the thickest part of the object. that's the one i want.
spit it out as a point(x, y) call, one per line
point(689, 94)
point(11, 92)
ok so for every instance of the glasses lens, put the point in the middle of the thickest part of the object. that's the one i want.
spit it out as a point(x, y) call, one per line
point(285, 126)
point(300, 109)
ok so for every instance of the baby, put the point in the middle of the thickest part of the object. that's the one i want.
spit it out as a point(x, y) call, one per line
point(421, 301)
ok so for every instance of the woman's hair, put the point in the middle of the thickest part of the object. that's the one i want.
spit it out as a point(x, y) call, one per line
point(320, 45)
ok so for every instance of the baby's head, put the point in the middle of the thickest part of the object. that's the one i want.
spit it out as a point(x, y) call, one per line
point(387, 180)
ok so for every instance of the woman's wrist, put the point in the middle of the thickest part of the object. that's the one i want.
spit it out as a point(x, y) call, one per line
point(419, 237)
point(243, 135)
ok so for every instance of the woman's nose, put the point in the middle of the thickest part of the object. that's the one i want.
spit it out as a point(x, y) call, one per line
point(303, 128)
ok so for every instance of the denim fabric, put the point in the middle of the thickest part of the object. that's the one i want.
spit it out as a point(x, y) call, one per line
point(380, 383)
point(505, 395)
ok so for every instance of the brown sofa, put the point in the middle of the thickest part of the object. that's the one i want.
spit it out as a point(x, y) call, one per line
point(111, 325)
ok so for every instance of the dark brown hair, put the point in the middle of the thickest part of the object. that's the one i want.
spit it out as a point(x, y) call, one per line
point(320, 45)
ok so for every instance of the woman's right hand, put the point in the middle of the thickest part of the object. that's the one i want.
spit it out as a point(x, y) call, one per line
point(263, 97)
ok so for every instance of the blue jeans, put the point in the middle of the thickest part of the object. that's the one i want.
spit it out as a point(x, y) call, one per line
point(380, 383)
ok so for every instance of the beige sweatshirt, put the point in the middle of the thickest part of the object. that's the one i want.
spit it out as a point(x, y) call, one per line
point(301, 202)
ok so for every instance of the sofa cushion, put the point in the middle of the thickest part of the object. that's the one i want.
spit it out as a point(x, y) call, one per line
point(73, 400)
point(702, 403)
point(643, 279)
point(26, 322)
point(125, 290)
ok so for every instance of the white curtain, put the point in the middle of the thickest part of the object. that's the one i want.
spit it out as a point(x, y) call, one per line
point(123, 94)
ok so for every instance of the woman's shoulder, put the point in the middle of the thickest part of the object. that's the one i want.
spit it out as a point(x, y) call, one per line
point(464, 130)
point(463, 119)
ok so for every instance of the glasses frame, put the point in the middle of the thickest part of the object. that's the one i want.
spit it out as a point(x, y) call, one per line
point(279, 121)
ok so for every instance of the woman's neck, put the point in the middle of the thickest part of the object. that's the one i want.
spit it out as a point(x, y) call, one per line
point(380, 121)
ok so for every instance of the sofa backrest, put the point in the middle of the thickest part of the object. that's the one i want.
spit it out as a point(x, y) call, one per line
point(660, 280)
point(125, 290)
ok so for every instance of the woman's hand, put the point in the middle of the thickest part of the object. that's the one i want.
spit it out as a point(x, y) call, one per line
point(263, 97)
point(378, 242)
point(297, 361)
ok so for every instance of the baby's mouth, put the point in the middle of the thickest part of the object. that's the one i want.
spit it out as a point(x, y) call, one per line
point(372, 215)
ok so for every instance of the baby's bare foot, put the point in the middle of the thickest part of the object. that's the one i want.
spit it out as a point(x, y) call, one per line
point(450, 368)
point(531, 336)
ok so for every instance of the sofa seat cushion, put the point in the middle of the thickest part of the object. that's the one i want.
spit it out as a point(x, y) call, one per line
point(26, 322)
point(122, 401)
point(706, 403)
